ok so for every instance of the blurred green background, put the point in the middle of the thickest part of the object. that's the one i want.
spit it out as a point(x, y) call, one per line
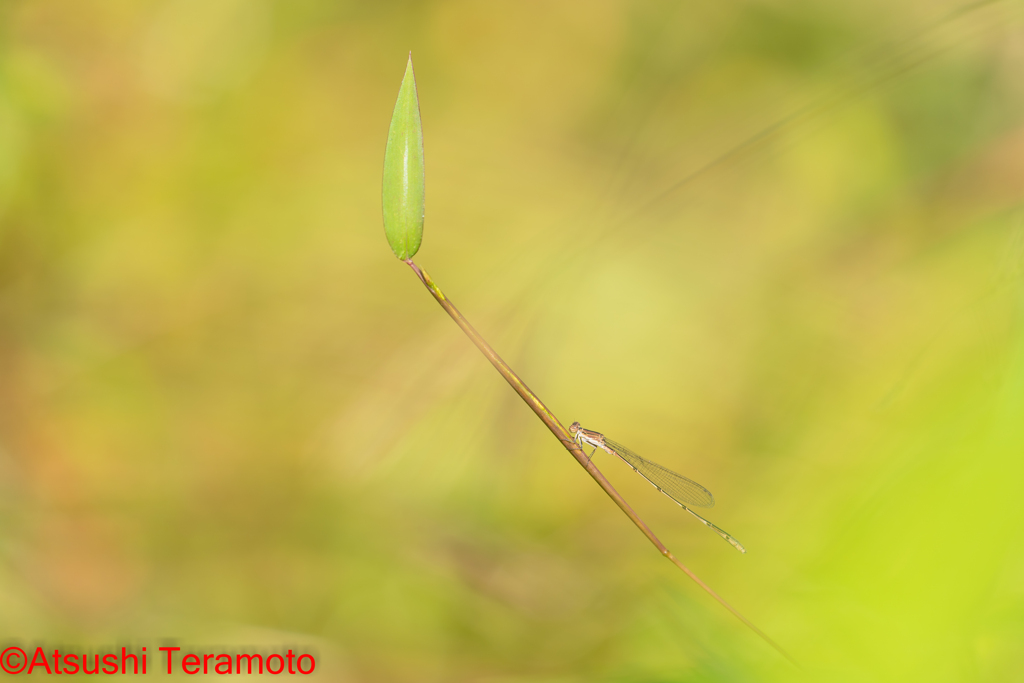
point(777, 246)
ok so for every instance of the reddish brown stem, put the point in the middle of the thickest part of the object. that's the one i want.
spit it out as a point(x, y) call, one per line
point(570, 445)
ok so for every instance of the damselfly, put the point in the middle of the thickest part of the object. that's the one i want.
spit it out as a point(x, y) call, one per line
point(685, 492)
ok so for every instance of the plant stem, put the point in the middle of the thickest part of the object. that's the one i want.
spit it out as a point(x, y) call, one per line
point(548, 418)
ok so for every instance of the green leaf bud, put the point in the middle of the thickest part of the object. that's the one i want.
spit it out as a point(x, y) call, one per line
point(403, 187)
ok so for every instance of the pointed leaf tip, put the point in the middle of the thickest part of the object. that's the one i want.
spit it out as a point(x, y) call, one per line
point(403, 188)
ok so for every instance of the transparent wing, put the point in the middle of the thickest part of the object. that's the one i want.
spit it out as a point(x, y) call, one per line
point(683, 491)
point(677, 487)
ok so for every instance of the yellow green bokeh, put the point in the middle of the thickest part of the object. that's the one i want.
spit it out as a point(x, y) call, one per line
point(778, 247)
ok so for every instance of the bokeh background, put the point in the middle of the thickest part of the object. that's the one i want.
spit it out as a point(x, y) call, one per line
point(775, 245)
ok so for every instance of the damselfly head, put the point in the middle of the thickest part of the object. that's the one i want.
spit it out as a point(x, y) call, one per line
point(574, 427)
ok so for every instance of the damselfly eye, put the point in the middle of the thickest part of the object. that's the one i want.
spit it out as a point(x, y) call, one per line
point(574, 427)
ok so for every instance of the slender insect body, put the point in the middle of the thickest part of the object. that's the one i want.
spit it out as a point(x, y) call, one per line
point(679, 489)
